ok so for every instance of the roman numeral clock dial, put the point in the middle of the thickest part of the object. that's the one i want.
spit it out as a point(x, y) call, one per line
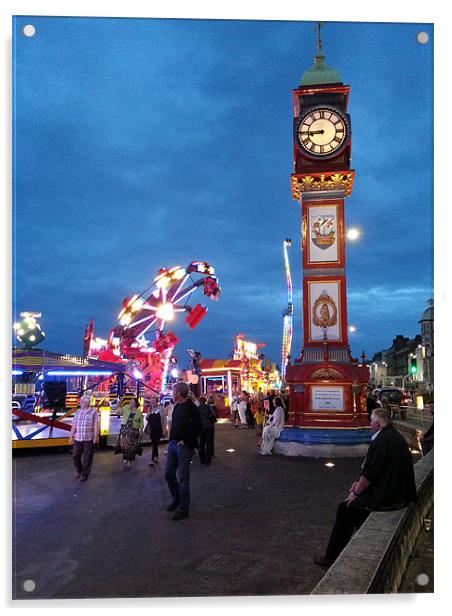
point(322, 132)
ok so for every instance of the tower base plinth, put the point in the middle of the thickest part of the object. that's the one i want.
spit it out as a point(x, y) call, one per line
point(323, 443)
point(328, 394)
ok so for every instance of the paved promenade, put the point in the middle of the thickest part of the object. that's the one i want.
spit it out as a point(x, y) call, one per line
point(254, 524)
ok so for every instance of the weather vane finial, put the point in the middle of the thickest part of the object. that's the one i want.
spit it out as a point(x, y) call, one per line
point(320, 24)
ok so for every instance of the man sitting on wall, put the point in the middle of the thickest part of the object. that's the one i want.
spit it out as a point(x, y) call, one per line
point(386, 483)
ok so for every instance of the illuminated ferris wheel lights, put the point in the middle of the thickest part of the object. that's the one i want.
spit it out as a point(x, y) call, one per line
point(137, 305)
point(177, 273)
point(162, 282)
point(165, 312)
point(125, 319)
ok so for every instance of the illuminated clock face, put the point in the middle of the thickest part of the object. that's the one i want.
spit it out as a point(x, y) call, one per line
point(322, 131)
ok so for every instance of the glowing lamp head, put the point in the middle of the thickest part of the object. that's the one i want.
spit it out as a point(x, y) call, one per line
point(165, 312)
point(352, 329)
point(353, 234)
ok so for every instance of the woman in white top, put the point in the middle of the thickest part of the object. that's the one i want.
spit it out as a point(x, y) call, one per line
point(242, 411)
point(273, 429)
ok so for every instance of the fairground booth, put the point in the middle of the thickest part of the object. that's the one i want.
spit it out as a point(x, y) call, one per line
point(244, 372)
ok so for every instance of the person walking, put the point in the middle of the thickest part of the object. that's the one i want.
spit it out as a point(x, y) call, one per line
point(183, 440)
point(83, 436)
point(129, 439)
point(155, 427)
point(273, 429)
point(386, 483)
point(208, 415)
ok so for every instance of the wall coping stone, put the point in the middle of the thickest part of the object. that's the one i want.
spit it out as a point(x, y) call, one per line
point(376, 557)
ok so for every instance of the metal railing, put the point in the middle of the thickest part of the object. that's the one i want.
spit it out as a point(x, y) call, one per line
point(411, 411)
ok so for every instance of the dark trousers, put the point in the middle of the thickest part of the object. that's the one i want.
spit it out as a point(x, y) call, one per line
point(82, 454)
point(348, 519)
point(155, 440)
point(178, 461)
point(206, 445)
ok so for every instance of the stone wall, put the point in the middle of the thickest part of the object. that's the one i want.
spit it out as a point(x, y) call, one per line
point(375, 559)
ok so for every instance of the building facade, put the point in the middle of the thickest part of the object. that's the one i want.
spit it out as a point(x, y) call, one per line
point(407, 360)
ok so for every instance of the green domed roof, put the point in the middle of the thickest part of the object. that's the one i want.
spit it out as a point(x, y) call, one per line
point(320, 73)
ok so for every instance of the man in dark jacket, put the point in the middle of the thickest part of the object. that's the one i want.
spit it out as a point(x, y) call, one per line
point(183, 440)
point(386, 483)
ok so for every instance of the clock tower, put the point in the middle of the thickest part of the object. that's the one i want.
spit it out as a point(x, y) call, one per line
point(327, 386)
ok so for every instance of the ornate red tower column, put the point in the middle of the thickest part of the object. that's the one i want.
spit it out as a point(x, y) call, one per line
point(327, 386)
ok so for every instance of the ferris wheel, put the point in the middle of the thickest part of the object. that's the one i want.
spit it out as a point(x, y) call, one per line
point(287, 314)
point(149, 311)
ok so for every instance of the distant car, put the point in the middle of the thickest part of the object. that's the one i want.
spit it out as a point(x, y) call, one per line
point(393, 394)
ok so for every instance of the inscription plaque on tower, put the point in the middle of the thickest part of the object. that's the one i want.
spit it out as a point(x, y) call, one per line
point(327, 398)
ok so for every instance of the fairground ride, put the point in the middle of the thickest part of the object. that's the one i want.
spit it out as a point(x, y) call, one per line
point(287, 314)
point(140, 336)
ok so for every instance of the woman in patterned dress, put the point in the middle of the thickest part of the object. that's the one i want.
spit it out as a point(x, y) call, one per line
point(129, 438)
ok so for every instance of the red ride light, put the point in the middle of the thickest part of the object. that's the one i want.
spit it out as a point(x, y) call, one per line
point(195, 315)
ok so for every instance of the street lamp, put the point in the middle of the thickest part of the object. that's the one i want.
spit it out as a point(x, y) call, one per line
point(353, 234)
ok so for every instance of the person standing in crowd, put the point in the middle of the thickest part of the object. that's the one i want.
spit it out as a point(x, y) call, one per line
point(155, 427)
point(213, 408)
point(285, 399)
point(273, 429)
point(427, 439)
point(385, 404)
point(371, 403)
point(183, 440)
point(259, 418)
point(249, 412)
point(208, 416)
point(242, 411)
point(168, 408)
point(386, 483)
point(83, 436)
point(234, 411)
point(129, 439)
point(193, 398)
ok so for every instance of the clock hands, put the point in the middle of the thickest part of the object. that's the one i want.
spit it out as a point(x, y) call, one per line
point(316, 132)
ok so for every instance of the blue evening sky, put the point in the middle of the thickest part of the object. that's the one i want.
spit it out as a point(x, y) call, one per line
point(142, 143)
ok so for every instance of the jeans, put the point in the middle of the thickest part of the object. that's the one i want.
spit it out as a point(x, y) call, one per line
point(178, 461)
point(85, 448)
